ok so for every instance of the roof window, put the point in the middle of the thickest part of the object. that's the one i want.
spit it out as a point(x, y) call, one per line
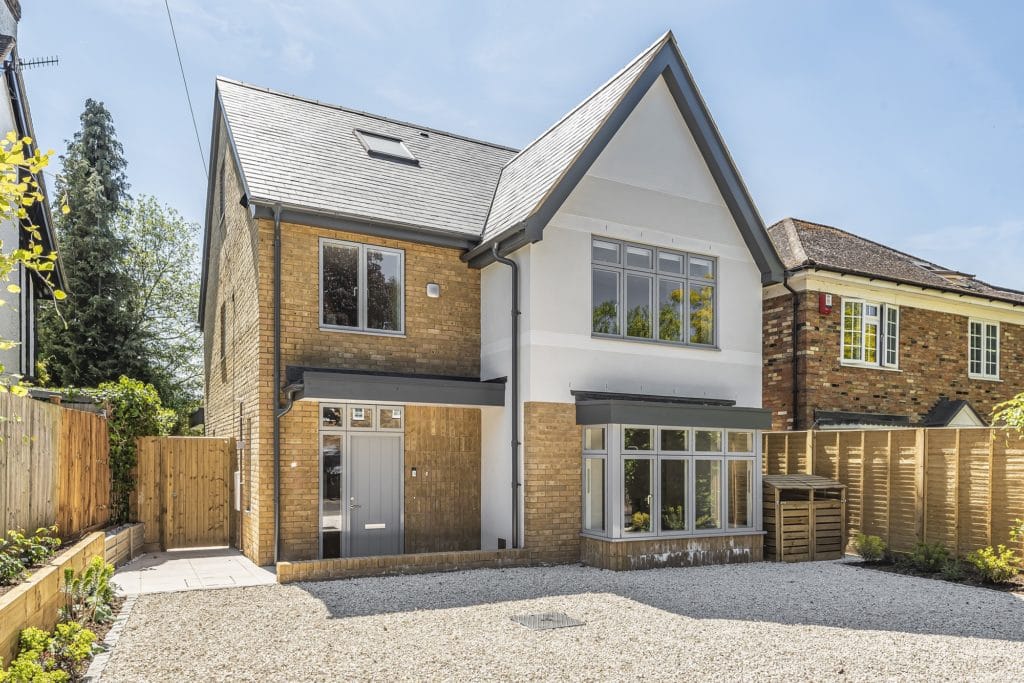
point(385, 146)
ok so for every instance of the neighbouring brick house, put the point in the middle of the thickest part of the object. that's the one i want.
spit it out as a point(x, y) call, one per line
point(883, 338)
point(427, 343)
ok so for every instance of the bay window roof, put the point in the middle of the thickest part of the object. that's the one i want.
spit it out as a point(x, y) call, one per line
point(596, 408)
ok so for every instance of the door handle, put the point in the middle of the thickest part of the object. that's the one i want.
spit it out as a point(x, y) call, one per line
point(353, 505)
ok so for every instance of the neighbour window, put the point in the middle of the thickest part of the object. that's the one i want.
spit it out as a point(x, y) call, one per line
point(870, 333)
point(361, 287)
point(641, 292)
point(983, 351)
point(655, 481)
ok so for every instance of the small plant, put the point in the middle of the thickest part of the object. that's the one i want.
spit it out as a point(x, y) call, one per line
point(996, 565)
point(673, 517)
point(870, 548)
point(11, 570)
point(641, 521)
point(71, 645)
point(954, 570)
point(31, 550)
point(88, 596)
point(51, 658)
point(929, 557)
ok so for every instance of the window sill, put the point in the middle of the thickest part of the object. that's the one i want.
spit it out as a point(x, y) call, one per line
point(867, 366)
point(346, 330)
point(649, 537)
point(983, 378)
point(656, 342)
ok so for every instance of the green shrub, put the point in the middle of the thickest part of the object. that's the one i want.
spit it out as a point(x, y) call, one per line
point(954, 571)
point(995, 565)
point(88, 595)
point(929, 557)
point(71, 645)
point(51, 658)
point(31, 550)
point(641, 521)
point(11, 570)
point(870, 548)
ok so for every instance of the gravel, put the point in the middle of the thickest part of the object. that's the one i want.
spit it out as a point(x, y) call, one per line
point(821, 621)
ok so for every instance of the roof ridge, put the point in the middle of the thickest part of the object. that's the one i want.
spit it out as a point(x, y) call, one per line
point(379, 117)
point(665, 37)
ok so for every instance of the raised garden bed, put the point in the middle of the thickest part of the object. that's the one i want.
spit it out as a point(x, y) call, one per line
point(35, 601)
point(970, 577)
point(123, 543)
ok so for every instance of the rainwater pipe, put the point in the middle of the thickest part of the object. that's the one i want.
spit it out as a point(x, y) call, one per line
point(514, 390)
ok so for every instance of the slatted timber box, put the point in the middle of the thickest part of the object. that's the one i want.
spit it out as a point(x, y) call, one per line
point(804, 518)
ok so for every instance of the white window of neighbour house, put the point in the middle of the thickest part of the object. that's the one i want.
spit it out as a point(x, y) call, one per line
point(983, 349)
point(870, 334)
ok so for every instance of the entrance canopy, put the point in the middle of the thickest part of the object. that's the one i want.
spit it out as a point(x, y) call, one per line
point(598, 408)
point(324, 384)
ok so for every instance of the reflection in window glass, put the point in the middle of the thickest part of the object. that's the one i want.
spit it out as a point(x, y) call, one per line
point(638, 307)
point(637, 489)
point(593, 495)
point(638, 257)
point(606, 302)
point(707, 494)
point(670, 309)
point(637, 439)
point(707, 441)
point(390, 418)
point(360, 417)
point(670, 263)
point(340, 285)
point(673, 495)
point(675, 439)
point(593, 438)
point(606, 252)
point(331, 416)
point(741, 503)
point(741, 442)
point(383, 290)
point(702, 314)
point(702, 267)
point(330, 510)
point(853, 320)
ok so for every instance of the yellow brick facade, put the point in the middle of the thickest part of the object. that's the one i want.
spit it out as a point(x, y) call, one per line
point(552, 481)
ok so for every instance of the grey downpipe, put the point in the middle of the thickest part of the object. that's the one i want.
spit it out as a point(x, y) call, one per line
point(514, 391)
point(795, 336)
point(277, 383)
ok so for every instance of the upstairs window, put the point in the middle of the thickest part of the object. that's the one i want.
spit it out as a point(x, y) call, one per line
point(361, 287)
point(385, 146)
point(870, 333)
point(642, 292)
point(983, 349)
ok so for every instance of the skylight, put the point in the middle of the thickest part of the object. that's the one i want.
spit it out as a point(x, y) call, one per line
point(384, 146)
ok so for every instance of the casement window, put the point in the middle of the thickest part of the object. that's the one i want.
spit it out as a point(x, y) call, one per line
point(361, 287)
point(641, 481)
point(983, 349)
point(870, 333)
point(642, 292)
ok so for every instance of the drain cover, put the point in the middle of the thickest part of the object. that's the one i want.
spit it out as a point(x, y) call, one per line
point(540, 622)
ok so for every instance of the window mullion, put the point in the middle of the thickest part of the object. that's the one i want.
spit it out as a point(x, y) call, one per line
point(362, 287)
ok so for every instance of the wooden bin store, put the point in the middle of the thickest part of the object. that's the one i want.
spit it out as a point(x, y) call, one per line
point(804, 518)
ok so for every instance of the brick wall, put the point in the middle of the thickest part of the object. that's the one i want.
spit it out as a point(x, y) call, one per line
point(932, 363)
point(552, 476)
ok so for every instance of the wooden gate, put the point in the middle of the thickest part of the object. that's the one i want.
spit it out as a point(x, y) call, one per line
point(183, 491)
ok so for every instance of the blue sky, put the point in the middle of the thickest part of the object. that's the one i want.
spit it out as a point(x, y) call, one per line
point(899, 121)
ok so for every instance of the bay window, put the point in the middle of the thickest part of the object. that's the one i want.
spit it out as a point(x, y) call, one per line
point(870, 333)
point(361, 287)
point(642, 292)
point(644, 481)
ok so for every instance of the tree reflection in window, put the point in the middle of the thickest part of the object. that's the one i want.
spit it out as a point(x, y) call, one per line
point(702, 315)
point(340, 285)
point(383, 290)
point(637, 503)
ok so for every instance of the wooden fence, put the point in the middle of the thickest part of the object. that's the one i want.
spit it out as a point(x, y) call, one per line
point(961, 487)
point(55, 467)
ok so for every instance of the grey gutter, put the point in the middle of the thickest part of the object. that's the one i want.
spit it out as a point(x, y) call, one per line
point(670, 414)
point(514, 390)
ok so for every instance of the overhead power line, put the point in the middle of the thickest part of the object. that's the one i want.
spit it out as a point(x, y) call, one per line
point(188, 97)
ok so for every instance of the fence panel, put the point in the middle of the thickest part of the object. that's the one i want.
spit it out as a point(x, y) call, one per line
point(83, 472)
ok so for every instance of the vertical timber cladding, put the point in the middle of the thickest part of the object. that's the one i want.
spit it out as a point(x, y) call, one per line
point(552, 480)
point(442, 502)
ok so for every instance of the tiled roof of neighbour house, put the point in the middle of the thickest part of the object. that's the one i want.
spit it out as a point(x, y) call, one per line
point(531, 175)
point(304, 153)
point(802, 244)
point(823, 419)
point(944, 410)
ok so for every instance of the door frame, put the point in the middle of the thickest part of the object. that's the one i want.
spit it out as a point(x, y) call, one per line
point(346, 488)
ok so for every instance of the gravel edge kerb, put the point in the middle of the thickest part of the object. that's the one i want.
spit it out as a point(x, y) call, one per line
point(99, 662)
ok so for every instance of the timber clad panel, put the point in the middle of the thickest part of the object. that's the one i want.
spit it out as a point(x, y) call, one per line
point(959, 487)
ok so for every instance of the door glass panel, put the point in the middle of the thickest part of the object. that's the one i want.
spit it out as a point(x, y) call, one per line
point(638, 307)
point(391, 418)
point(673, 495)
point(675, 439)
point(637, 439)
point(670, 309)
point(605, 312)
point(637, 504)
point(593, 495)
point(332, 416)
point(330, 501)
point(708, 493)
point(340, 285)
point(383, 290)
point(741, 504)
point(593, 439)
point(360, 417)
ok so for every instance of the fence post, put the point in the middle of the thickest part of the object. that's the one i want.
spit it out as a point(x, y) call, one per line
point(889, 460)
point(920, 492)
point(809, 449)
point(956, 494)
point(991, 480)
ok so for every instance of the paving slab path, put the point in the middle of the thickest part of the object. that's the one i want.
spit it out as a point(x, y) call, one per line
point(191, 569)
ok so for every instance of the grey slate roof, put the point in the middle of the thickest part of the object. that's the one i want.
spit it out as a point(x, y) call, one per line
point(944, 410)
point(532, 173)
point(802, 244)
point(304, 153)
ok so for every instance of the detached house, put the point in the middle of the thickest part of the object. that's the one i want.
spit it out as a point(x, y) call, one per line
point(883, 338)
point(424, 342)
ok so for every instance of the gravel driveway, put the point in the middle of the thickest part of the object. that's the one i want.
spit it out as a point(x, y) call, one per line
point(822, 621)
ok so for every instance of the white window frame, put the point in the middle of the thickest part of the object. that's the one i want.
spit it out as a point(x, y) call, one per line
point(884, 341)
point(361, 304)
point(985, 326)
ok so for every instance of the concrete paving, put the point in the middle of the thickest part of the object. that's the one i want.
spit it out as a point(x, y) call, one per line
point(190, 569)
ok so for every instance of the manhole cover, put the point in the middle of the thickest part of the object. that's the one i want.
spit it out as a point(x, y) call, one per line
point(540, 622)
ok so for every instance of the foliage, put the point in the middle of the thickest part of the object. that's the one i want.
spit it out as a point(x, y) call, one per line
point(11, 570)
point(71, 645)
point(134, 410)
point(673, 517)
point(670, 316)
point(163, 270)
point(870, 548)
point(1010, 413)
point(96, 341)
point(995, 565)
point(20, 166)
point(1017, 534)
point(929, 557)
point(51, 658)
point(30, 550)
point(638, 322)
point(641, 521)
point(702, 315)
point(88, 595)
point(954, 570)
point(606, 318)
